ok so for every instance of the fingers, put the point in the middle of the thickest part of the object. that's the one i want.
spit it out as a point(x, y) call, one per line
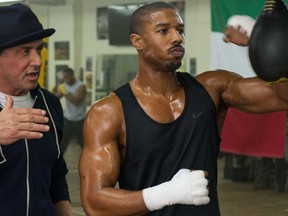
point(30, 120)
point(30, 134)
point(21, 123)
point(199, 185)
point(31, 116)
point(241, 30)
point(11, 132)
point(198, 177)
point(202, 200)
point(30, 112)
point(237, 36)
point(230, 32)
point(200, 173)
point(227, 34)
point(33, 127)
point(10, 136)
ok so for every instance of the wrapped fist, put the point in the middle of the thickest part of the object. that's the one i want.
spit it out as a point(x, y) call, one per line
point(62, 89)
point(186, 187)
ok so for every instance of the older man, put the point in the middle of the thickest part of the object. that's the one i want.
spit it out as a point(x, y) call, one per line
point(32, 167)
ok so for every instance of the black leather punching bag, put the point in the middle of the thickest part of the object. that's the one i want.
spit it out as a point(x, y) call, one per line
point(268, 44)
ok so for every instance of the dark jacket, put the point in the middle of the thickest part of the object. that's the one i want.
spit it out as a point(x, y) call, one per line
point(33, 171)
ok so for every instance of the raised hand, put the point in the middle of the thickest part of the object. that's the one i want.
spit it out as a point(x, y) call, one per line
point(236, 35)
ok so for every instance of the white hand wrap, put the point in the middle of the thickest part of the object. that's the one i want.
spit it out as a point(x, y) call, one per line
point(186, 187)
point(246, 23)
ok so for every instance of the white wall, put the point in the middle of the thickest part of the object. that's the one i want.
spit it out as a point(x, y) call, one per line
point(60, 18)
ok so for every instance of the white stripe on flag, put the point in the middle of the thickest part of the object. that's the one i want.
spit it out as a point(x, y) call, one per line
point(229, 56)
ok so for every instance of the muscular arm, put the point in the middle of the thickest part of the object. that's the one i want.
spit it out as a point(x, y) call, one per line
point(251, 95)
point(100, 162)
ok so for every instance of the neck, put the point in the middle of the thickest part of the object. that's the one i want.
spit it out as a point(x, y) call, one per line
point(162, 83)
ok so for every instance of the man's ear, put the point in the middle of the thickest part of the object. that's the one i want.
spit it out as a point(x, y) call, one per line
point(136, 41)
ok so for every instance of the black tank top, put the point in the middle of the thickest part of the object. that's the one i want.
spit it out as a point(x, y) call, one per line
point(155, 151)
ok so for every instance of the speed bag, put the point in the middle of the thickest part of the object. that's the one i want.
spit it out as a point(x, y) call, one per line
point(268, 44)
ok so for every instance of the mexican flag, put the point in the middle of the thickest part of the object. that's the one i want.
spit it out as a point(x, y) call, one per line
point(246, 134)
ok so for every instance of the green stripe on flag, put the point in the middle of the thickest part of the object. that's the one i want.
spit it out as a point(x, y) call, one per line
point(221, 10)
point(228, 56)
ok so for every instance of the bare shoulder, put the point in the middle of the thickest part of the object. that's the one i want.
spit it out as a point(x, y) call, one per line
point(217, 76)
point(105, 115)
point(217, 82)
point(109, 107)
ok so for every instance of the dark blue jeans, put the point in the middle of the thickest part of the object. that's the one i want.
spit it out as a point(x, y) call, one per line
point(72, 129)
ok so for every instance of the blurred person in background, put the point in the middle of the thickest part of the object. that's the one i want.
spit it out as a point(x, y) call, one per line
point(74, 92)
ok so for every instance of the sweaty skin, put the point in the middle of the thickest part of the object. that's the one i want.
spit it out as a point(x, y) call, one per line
point(160, 51)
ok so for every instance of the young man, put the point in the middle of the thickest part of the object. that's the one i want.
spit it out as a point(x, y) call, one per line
point(33, 171)
point(157, 135)
point(74, 92)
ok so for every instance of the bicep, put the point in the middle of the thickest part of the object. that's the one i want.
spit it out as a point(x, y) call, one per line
point(100, 157)
point(99, 163)
point(252, 95)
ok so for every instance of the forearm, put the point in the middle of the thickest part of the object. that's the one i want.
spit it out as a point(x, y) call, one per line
point(186, 187)
point(76, 101)
point(63, 208)
point(113, 201)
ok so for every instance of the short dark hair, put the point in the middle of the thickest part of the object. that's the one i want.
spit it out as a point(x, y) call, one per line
point(68, 70)
point(137, 19)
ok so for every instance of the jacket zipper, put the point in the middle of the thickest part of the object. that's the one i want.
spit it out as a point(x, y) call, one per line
point(27, 179)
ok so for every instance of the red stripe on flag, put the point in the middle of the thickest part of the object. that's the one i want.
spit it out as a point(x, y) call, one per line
point(261, 135)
